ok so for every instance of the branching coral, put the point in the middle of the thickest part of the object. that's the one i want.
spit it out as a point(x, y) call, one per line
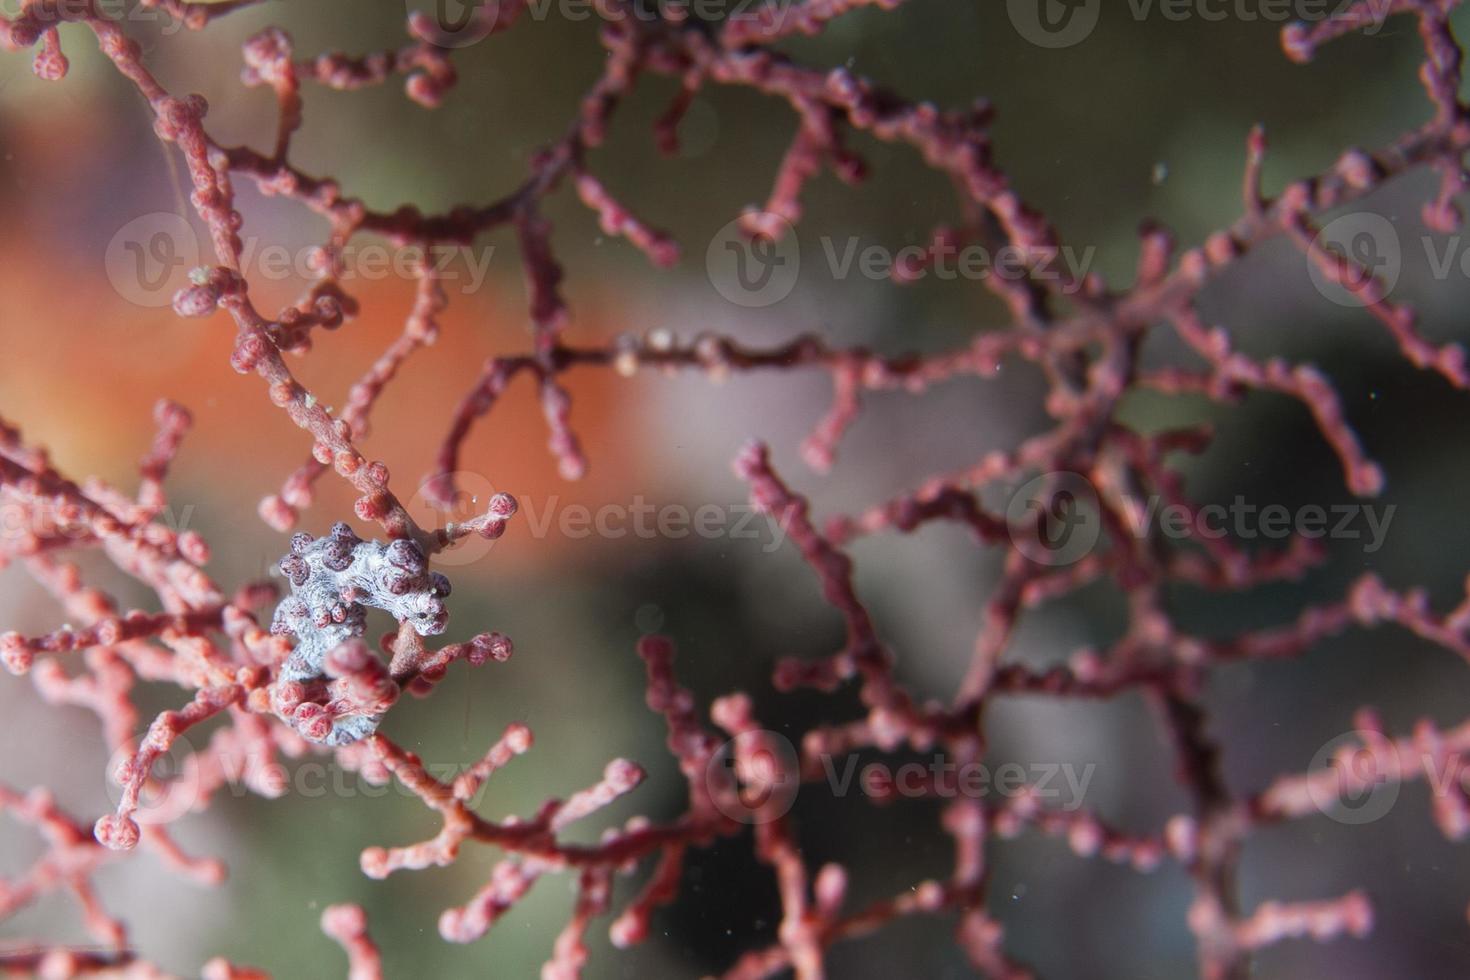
point(310, 681)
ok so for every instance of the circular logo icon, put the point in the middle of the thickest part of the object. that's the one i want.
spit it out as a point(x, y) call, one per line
point(1359, 792)
point(453, 23)
point(754, 777)
point(649, 618)
point(1053, 519)
point(149, 258)
point(1054, 23)
point(172, 787)
point(754, 260)
point(471, 495)
point(1370, 245)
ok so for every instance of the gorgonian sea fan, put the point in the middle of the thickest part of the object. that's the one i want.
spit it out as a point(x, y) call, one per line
point(311, 685)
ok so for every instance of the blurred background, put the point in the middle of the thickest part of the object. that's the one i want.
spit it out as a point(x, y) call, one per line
point(1145, 116)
